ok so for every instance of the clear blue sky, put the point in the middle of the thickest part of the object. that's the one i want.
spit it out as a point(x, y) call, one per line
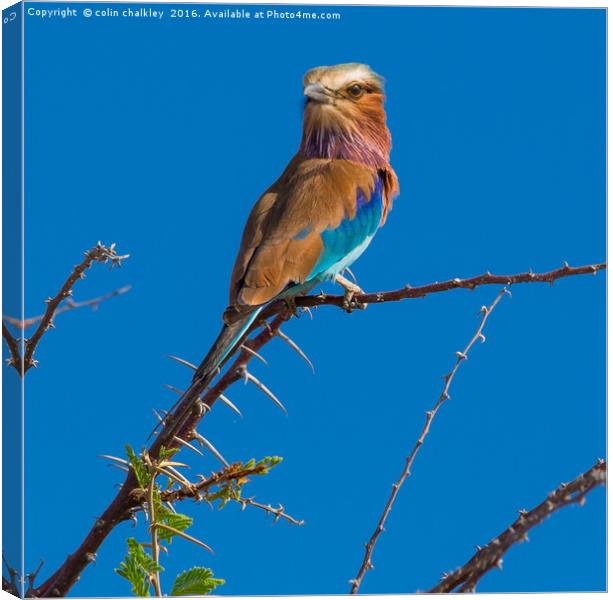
point(159, 135)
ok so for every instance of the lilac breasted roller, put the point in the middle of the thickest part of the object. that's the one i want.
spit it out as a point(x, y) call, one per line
point(321, 214)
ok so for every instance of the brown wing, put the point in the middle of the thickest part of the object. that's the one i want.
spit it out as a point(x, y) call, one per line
point(281, 241)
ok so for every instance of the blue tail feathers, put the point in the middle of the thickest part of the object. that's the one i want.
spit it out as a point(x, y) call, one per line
point(224, 345)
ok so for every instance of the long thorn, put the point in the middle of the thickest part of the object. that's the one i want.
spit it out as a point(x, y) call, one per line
point(120, 467)
point(261, 386)
point(32, 576)
point(188, 445)
point(295, 347)
point(10, 569)
point(183, 362)
point(174, 389)
point(115, 458)
point(175, 472)
point(230, 404)
point(159, 417)
point(254, 353)
point(173, 463)
point(179, 479)
point(204, 442)
point(184, 535)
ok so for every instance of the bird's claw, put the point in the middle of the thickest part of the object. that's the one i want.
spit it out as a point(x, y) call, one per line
point(291, 305)
point(351, 289)
point(349, 304)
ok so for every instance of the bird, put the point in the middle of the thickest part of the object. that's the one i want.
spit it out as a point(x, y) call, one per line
point(322, 212)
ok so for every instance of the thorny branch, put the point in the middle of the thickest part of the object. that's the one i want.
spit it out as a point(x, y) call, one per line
point(120, 509)
point(490, 556)
point(198, 491)
point(201, 490)
point(13, 346)
point(99, 253)
point(68, 305)
point(11, 586)
point(444, 286)
point(235, 373)
point(279, 512)
point(31, 578)
point(199, 401)
point(461, 356)
point(8, 587)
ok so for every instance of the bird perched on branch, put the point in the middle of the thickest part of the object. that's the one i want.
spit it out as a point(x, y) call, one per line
point(323, 211)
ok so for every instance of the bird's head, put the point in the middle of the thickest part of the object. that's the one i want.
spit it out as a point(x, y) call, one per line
point(344, 115)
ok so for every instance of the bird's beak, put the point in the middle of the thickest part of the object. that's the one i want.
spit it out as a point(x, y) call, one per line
point(317, 92)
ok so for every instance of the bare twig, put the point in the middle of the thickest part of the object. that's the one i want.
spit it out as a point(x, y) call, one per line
point(460, 358)
point(11, 585)
point(68, 305)
point(278, 513)
point(31, 578)
point(490, 556)
point(444, 286)
point(99, 253)
point(13, 346)
point(60, 582)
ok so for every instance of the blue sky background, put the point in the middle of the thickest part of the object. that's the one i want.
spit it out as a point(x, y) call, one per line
point(160, 135)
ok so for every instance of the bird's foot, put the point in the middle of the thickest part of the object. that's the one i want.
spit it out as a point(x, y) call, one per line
point(351, 289)
point(290, 302)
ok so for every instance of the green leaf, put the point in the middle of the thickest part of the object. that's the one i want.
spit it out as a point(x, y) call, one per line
point(268, 462)
point(168, 517)
point(225, 493)
point(137, 568)
point(167, 452)
point(140, 469)
point(196, 581)
point(174, 520)
point(143, 559)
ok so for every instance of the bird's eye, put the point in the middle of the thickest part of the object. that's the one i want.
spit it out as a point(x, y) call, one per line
point(356, 90)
